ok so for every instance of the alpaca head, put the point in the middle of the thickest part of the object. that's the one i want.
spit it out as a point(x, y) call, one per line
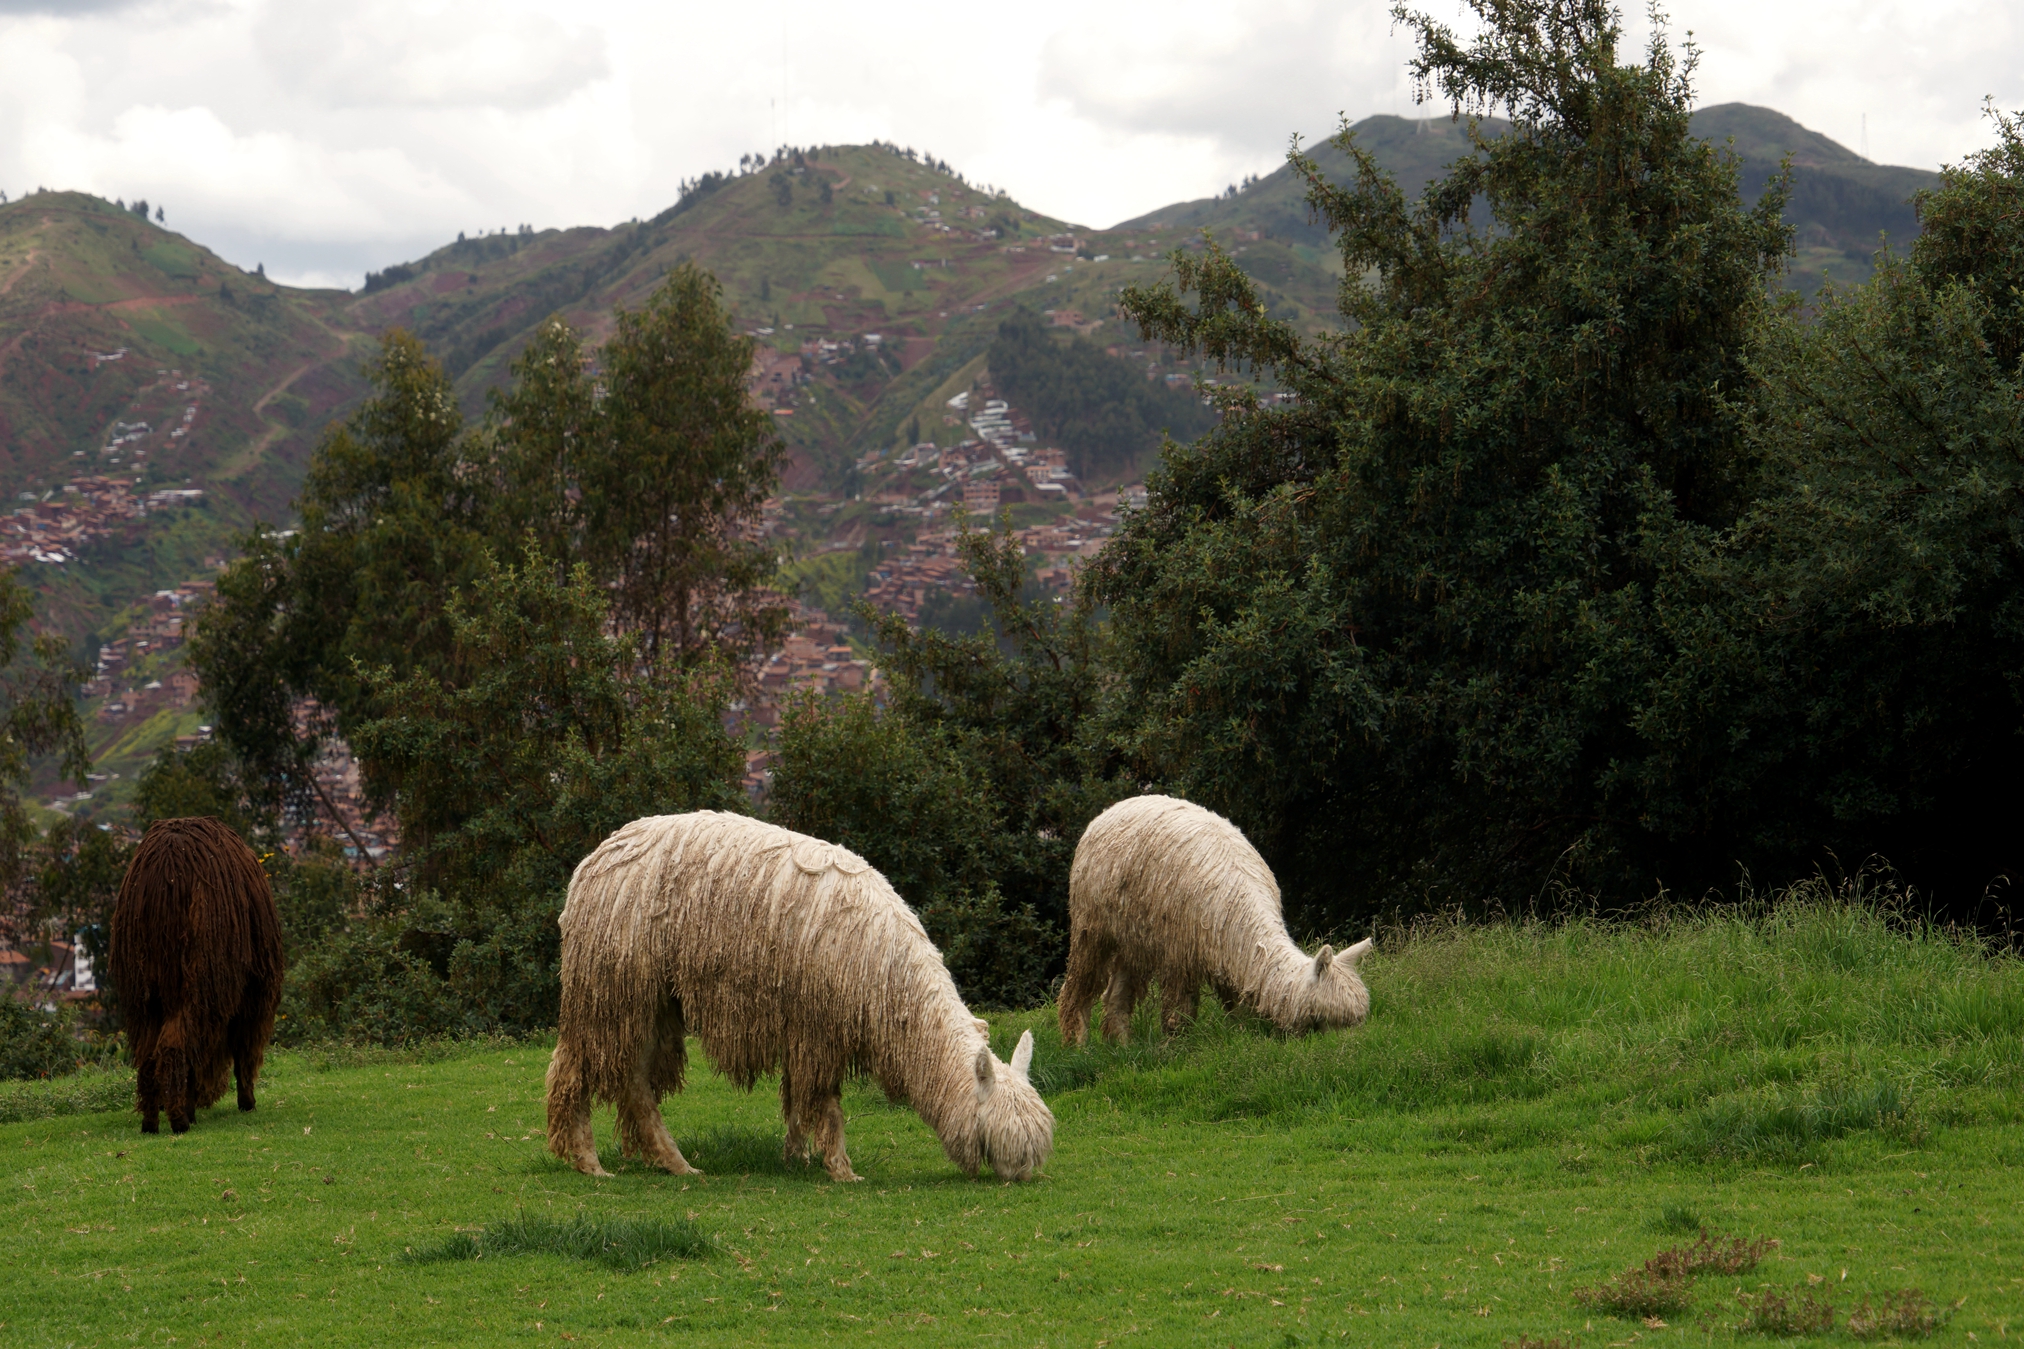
point(1015, 1129)
point(1334, 994)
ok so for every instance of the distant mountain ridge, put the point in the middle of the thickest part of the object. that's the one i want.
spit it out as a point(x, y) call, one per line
point(872, 279)
point(1842, 205)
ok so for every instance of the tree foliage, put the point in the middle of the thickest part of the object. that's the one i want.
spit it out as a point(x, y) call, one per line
point(1100, 409)
point(508, 716)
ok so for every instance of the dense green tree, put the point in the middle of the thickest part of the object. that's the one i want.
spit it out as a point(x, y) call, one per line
point(547, 424)
point(541, 735)
point(970, 789)
point(1403, 630)
point(1100, 409)
point(392, 521)
point(674, 486)
point(1873, 695)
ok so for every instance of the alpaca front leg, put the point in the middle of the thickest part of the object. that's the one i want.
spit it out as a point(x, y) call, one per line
point(569, 1135)
point(829, 1138)
point(1126, 988)
point(243, 1040)
point(1179, 1002)
point(646, 1135)
point(797, 1146)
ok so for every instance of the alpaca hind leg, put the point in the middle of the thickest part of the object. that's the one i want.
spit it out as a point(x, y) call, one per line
point(175, 1076)
point(1079, 989)
point(245, 1042)
point(569, 1135)
point(148, 1091)
point(828, 1133)
point(1119, 1000)
point(642, 1131)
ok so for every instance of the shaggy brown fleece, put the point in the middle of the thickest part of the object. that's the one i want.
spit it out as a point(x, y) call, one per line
point(778, 952)
point(1163, 889)
point(197, 962)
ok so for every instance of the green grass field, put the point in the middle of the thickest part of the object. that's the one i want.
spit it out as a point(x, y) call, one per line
point(1529, 1111)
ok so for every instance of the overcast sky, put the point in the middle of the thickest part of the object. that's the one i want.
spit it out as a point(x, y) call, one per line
point(325, 137)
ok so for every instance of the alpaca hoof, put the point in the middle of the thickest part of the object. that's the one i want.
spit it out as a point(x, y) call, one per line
point(151, 1126)
point(246, 1105)
point(594, 1169)
point(179, 1126)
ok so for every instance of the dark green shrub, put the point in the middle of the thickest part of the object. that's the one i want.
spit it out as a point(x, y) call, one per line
point(35, 1043)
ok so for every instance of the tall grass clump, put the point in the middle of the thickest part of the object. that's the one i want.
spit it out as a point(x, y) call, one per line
point(617, 1243)
point(1762, 1029)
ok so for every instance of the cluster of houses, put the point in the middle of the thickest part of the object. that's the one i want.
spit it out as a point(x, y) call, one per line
point(900, 584)
point(815, 659)
point(342, 812)
point(128, 440)
point(54, 526)
point(131, 684)
point(47, 974)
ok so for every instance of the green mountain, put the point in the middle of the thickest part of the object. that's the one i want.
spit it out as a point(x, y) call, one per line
point(875, 283)
point(1841, 203)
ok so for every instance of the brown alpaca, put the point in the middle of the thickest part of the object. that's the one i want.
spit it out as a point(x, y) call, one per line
point(779, 952)
point(1164, 889)
point(197, 964)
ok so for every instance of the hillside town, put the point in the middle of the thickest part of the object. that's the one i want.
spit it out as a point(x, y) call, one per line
point(56, 526)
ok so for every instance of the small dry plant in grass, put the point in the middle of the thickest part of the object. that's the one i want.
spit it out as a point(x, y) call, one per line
point(1551, 1342)
point(1716, 1254)
point(1639, 1292)
point(1774, 1313)
point(1907, 1313)
point(1665, 1282)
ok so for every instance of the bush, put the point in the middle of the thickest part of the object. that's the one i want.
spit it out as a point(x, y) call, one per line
point(1774, 1313)
point(35, 1043)
point(901, 796)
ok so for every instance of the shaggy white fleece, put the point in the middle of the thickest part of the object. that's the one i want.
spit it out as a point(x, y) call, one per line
point(1163, 889)
point(778, 952)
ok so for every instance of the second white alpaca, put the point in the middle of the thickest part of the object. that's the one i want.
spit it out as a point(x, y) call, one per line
point(1165, 890)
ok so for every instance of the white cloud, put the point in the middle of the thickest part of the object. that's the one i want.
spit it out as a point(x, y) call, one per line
point(390, 53)
point(324, 137)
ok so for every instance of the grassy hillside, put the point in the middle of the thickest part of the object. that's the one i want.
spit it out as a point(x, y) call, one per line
point(98, 307)
point(1528, 1112)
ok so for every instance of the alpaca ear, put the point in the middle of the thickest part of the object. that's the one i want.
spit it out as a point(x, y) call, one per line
point(982, 1024)
point(987, 1069)
point(1358, 951)
point(1322, 960)
point(1022, 1057)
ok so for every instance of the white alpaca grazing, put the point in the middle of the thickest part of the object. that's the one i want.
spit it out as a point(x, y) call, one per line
point(778, 952)
point(1163, 889)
